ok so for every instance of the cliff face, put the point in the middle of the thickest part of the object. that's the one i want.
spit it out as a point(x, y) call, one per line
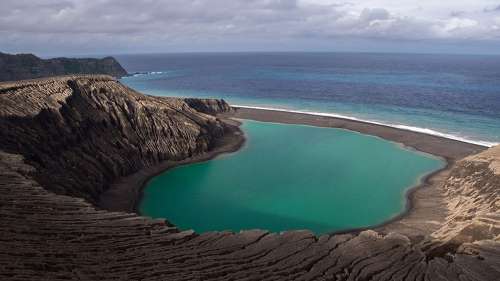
point(76, 135)
point(28, 66)
point(472, 192)
point(209, 106)
point(86, 132)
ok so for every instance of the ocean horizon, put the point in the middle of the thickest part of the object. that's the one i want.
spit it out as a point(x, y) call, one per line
point(451, 96)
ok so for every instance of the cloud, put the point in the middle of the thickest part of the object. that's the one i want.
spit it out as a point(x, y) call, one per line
point(492, 9)
point(74, 23)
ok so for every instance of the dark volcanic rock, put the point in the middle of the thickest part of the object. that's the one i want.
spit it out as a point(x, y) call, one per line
point(209, 106)
point(28, 66)
point(86, 132)
point(75, 135)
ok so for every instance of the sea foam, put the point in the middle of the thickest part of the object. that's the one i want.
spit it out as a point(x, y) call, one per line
point(398, 126)
point(137, 74)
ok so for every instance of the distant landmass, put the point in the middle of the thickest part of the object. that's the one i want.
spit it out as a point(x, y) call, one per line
point(28, 66)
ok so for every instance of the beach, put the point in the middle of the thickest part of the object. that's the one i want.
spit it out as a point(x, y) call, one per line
point(59, 155)
point(125, 194)
point(426, 207)
point(449, 149)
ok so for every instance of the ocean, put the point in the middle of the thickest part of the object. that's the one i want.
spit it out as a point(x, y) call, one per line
point(454, 96)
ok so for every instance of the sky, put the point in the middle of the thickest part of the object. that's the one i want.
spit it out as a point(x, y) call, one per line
point(87, 27)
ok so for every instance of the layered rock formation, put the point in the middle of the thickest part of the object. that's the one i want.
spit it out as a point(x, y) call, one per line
point(85, 132)
point(65, 139)
point(472, 193)
point(209, 106)
point(28, 66)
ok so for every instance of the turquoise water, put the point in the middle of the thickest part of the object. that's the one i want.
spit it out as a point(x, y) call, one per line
point(291, 177)
point(454, 96)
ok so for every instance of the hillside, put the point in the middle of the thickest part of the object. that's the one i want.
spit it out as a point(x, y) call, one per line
point(65, 140)
point(28, 66)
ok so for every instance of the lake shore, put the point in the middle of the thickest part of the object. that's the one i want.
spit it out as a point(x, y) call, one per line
point(440, 146)
point(426, 206)
point(125, 194)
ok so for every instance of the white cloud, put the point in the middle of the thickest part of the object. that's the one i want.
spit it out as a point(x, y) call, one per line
point(163, 22)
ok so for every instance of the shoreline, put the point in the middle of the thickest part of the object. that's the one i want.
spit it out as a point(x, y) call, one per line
point(409, 128)
point(447, 148)
point(410, 202)
point(125, 194)
point(425, 208)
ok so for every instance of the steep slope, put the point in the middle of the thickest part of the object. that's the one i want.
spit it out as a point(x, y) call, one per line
point(86, 132)
point(28, 66)
point(60, 134)
point(472, 193)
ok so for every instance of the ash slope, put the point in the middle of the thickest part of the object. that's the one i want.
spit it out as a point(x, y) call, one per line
point(66, 139)
point(28, 66)
point(80, 134)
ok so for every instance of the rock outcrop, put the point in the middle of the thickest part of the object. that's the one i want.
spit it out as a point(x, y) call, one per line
point(86, 132)
point(472, 192)
point(28, 66)
point(64, 140)
point(209, 106)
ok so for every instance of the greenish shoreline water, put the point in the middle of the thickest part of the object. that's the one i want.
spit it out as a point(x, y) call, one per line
point(291, 177)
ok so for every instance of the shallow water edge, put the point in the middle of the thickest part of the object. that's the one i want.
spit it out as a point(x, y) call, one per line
point(414, 196)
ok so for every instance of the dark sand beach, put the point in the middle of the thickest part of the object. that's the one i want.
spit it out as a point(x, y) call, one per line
point(126, 193)
point(426, 208)
point(443, 147)
point(57, 152)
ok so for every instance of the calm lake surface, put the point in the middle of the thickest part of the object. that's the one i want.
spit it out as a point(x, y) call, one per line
point(291, 177)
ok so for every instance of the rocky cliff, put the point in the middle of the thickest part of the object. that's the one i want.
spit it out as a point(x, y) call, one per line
point(28, 66)
point(473, 203)
point(65, 139)
point(209, 106)
point(85, 132)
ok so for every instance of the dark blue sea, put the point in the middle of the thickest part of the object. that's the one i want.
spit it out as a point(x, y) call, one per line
point(456, 96)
